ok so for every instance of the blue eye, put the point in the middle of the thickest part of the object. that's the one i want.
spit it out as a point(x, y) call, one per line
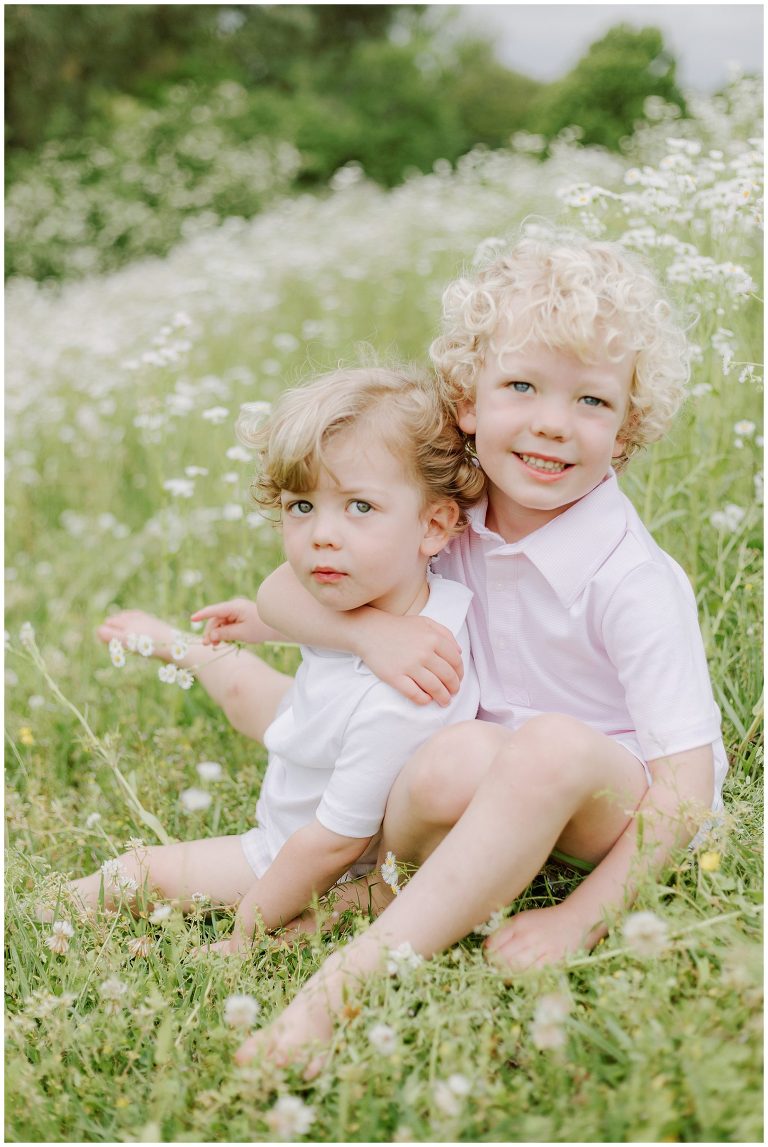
point(358, 507)
point(521, 387)
point(591, 400)
point(300, 509)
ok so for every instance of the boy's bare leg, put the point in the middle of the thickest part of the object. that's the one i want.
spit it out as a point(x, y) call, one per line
point(216, 867)
point(553, 782)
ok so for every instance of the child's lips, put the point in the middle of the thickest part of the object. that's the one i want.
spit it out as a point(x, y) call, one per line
point(326, 575)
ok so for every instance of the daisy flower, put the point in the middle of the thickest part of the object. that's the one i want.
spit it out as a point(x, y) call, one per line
point(290, 1117)
point(195, 800)
point(646, 933)
point(241, 1011)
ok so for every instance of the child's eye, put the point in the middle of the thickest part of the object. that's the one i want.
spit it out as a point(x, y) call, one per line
point(591, 400)
point(300, 509)
point(358, 507)
point(521, 387)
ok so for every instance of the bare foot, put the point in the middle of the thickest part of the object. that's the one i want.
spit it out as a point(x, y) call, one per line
point(294, 1039)
point(132, 623)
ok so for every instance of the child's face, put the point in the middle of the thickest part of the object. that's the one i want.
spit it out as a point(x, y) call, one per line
point(546, 429)
point(362, 536)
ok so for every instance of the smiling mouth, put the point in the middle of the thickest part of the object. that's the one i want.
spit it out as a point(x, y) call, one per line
point(545, 465)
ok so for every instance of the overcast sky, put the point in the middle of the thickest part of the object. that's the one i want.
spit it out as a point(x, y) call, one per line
point(545, 40)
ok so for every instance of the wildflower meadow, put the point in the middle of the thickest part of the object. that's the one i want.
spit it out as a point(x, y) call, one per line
point(126, 488)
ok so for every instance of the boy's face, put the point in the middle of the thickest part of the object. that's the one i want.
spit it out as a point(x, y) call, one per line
point(362, 536)
point(546, 428)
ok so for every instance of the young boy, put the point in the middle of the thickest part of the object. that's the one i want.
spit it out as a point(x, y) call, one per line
point(370, 478)
point(598, 734)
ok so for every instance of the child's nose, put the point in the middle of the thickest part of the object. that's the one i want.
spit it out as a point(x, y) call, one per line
point(550, 420)
point(325, 532)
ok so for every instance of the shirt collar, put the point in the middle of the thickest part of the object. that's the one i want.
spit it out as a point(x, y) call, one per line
point(570, 549)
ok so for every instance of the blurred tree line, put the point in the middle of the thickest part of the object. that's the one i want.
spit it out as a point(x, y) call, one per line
point(370, 83)
point(125, 121)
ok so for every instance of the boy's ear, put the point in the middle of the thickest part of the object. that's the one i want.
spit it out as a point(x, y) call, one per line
point(467, 418)
point(440, 520)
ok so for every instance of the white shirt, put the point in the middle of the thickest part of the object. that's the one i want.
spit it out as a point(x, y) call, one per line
point(587, 616)
point(338, 745)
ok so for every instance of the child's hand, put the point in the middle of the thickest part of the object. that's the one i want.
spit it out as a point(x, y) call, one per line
point(236, 620)
point(415, 655)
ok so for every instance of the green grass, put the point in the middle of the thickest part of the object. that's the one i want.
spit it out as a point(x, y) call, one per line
point(657, 1049)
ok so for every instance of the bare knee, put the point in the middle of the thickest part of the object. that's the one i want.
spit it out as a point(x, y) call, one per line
point(443, 776)
point(550, 750)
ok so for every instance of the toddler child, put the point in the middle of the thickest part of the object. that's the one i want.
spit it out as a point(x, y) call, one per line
point(598, 734)
point(371, 479)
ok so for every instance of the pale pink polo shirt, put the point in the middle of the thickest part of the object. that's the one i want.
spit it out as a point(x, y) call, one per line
point(587, 616)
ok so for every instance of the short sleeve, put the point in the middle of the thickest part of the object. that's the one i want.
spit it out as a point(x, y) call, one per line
point(652, 636)
point(383, 732)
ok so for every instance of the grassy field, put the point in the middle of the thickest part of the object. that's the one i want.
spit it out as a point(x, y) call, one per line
point(125, 488)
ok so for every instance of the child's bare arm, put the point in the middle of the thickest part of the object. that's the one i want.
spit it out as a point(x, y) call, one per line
point(415, 655)
point(309, 863)
point(667, 818)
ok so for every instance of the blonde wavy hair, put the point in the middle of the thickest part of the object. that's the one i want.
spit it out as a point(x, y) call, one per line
point(403, 408)
point(570, 293)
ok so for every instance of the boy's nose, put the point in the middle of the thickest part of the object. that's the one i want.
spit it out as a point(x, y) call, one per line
point(550, 420)
point(325, 534)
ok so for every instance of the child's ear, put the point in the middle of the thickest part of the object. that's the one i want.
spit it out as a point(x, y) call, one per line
point(467, 419)
point(440, 520)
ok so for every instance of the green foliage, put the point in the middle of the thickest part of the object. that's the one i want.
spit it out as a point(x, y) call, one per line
point(604, 95)
point(491, 102)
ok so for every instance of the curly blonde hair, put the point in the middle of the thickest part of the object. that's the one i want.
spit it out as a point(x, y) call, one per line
point(576, 294)
point(404, 409)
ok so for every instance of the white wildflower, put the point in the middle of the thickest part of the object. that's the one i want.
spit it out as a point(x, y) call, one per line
point(195, 800)
point(145, 645)
point(184, 679)
point(113, 993)
point(402, 959)
point(132, 642)
point(548, 1031)
point(446, 1099)
point(117, 879)
point(168, 673)
point(646, 933)
point(745, 428)
point(241, 1011)
point(92, 819)
point(495, 920)
point(199, 898)
point(27, 635)
point(116, 653)
point(728, 519)
point(179, 487)
point(161, 913)
point(290, 1117)
point(61, 933)
point(232, 512)
point(196, 471)
point(383, 1039)
point(140, 947)
point(210, 771)
point(239, 454)
point(216, 415)
point(389, 873)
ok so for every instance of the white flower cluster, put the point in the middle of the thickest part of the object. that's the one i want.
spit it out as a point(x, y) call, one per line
point(383, 1039)
point(61, 933)
point(548, 1027)
point(402, 960)
point(646, 934)
point(241, 1011)
point(389, 873)
point(728, 519)
point(290, 1117)
point(116, 879)
point(449, 1093)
